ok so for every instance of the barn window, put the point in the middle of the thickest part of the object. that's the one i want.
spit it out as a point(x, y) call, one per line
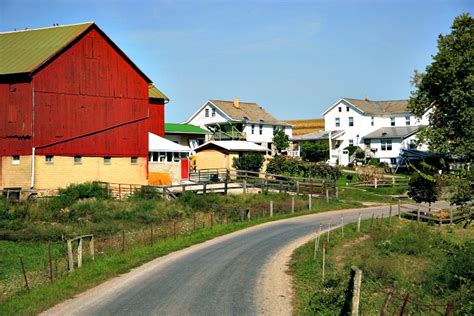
point(77, 160)
point(107, 160)
point(15, 160)
point(134, 160)
point(49, 159)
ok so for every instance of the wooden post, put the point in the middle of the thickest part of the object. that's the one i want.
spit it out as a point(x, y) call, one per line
point(358, 223)
point(79, 253)
point(244, 186)
point(91, 248)
point(24, 273)
point(342, 226)
point(212, 220)
point(120, 192)
point(399, 211)
point(405, 301)
point(324, 259)
point(386, 303)
point(356, 291)
point(225, 186)
point(50, 261)
point(297, 187)
point(329, 230)
point(248, 215)
point(271, 208)
point(390, 215)
point(183, 188)
point(309, 201)
point(204, 188)
point(375, 183)
point(418, 212)
point(327, 195)
point(174, 229)
point(194, 221)
point(451, 216)
point(372, 220)
point(393, 180)
point(337, 192)
point(292, 204)
point(70, 259)
point(123, 240)
point(316, 246)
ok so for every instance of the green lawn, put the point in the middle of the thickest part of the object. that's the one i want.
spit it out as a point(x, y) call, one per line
point(434, 265)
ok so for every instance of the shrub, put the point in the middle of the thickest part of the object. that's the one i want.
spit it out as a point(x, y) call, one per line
point(67, 196)
point(146, 192)
point(296, 168)
point(315, 151)
point(249, 161)
point(422, 189)
point(280, 139)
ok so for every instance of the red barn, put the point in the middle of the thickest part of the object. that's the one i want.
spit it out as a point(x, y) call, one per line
point(73, 108)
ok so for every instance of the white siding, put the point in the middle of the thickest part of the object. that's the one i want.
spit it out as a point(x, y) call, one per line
point(200, 118)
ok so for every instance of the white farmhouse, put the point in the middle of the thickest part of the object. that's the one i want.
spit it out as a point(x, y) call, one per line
point(235, 120)
point(381, 128)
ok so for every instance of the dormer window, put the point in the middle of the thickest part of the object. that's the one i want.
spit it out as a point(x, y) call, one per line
point(245, 118)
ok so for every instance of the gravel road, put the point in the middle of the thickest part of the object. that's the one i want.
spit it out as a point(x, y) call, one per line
point(242, 273)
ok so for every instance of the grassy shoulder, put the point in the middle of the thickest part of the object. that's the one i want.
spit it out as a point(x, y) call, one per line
point(104, 267)
point(433, 265)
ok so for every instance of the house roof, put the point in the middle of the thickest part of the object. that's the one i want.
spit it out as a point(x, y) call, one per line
point(27, 51)
point(322, 135)
point(302, 127)
point(247, 111)
point(183, 128)
point(157, 143)
point(155, 93)
point(233, 145)
point(393, 132)
point(375, 107)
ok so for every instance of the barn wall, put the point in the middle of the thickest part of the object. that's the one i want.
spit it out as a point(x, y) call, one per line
point(90, 101)
point(16, 176)
point(157, 118)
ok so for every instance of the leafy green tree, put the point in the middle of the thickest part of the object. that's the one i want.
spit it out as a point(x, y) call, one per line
point(249, 162)
point(315, 151)
point(423, 189)
point(280, 139)
point(447, 88)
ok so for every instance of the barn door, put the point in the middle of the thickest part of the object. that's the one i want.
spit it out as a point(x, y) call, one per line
point(184, 169)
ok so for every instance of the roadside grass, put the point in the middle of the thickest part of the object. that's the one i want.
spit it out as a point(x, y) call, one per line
point(361, 195)
point(105, 267)
point(434, 265)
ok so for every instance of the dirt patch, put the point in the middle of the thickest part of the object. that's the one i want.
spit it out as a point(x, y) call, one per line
point(339, 255)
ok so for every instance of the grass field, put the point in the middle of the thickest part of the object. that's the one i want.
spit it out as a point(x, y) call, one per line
point(433, 265)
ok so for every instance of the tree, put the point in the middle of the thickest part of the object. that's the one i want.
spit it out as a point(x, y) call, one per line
point(249, 162)
point(315, 151)
point(423, 189)
point(280, 139)
point(447, 88)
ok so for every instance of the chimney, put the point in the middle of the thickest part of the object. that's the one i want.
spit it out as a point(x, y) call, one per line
point(236, 103)
point(367, 98)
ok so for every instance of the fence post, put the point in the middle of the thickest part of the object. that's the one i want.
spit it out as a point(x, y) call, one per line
point(418, 212)
point(386, 303)
point(24, 273)
point(50, 263)
point(174, 229)
point(316, 246)
point(79, 253)
point(399, 211)
point(204, 189)
point(327, 195)
point(225, 186)
point(297, 187)
point(358, 223)
point(244, 186)
point(91, 248)
point(194, 221)
point(271, 208)
point(324, 259)
point(342, 226)
point(70, 259)
point(337, 192)
point(390, 215)
point(292, 204)
point(212, 220)
point(375, 183)
point(451, 216)
point(372, 220)
point(405, 301)
point(356, 291)
point(309, 201)
point(329, 230)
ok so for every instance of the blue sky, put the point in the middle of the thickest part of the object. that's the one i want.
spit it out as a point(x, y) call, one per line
point(295, 58)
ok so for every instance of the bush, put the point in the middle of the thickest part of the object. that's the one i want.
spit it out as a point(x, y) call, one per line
point(66, 197)
point(422, 189)
point(146, 192)
point(249, 162)
point(315, 151)
point(296, 168)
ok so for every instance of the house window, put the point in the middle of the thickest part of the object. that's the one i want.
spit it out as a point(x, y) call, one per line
point(367, 143)
point(347, 109)
point(253, 129)
point(177, 157)
point(340, 109)
point(49, 159)
point(107, 160)
point(260, 129)
point(213, 112)
point(351, 142)
point(206, 112)
point(372, 121)
point(407, 120)
point(338, 122)
point(15, 160)
point(161, 157)
point(392, 121)
point(386, 144)
point(393, 161)
point(77, 160)
point(134, 160)
point(351, 121)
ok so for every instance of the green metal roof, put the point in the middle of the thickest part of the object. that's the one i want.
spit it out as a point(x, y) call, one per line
point(25, 51)
point(154, 93)
point(184, 129)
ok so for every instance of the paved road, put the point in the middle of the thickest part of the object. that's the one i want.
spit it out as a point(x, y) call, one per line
point(218, 277)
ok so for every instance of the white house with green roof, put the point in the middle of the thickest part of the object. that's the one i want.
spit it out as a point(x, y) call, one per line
point(185, 134)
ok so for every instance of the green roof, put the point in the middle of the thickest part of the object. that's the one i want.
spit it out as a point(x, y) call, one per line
point(25, 51)
point(154, 93)
point(184, 129)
